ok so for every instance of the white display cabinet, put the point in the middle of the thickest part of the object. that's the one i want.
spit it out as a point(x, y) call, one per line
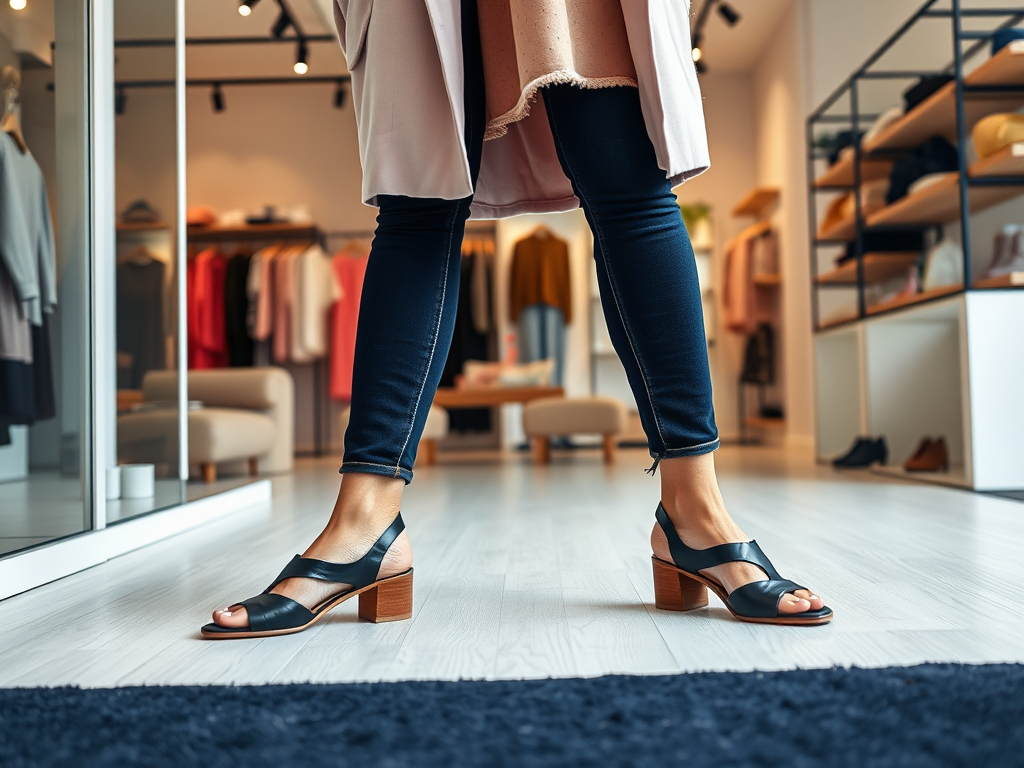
point(952, 368)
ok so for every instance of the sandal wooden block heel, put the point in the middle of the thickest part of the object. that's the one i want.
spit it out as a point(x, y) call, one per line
point(675, 592)
point(390, 600)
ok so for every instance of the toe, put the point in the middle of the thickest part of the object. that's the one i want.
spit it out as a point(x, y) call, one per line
point(816, 602)
point(790, 603)
point(233, 617)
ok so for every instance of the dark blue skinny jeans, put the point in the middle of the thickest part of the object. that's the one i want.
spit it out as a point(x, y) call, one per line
point(645, 267)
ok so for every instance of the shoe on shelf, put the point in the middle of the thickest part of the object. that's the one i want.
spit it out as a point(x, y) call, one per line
point(388, 599)
point(863, 453)
point(930, 456)
point(680, 585)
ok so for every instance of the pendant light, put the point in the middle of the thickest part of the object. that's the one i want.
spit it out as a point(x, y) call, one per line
point(246, 7)
point(217, 97)
point(302, 58)
point(19, 5)
point(339, 95)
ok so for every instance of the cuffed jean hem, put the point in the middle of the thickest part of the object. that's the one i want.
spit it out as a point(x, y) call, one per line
point(383, 470)
point(693, 450)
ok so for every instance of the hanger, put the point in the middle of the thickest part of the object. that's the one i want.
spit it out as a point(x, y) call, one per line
point(9, 124)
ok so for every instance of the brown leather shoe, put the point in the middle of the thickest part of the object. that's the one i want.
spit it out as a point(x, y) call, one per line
point(930, 456)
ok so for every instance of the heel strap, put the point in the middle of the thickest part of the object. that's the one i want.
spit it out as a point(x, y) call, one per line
point(694, 560)
point(359, 574)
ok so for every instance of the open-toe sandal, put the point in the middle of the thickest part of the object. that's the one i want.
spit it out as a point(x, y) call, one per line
point(679, 585)
point(387, 599)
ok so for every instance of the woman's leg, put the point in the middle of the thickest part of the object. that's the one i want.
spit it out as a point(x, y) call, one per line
point(651, 297)
point(406, 321)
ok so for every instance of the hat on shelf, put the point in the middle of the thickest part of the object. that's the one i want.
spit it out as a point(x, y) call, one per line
point(1004, 37)
point(995, 132)
point(884, 120)
point(934, 156)
point(922, 89)
point(928, 180)
point(944, 265)
point(140, 212)
point(200, 216)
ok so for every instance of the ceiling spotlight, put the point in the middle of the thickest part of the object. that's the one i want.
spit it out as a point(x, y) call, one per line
point(301, 64)
point(120, 101)
point(281, 25)
point(339, 95)
point(697, 53)
point(18, 5)
point(728, 13)
point(217, 97)
point(246, 7)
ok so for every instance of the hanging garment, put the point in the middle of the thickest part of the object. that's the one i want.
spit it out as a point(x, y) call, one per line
point(467, 344)
point(759, 358)
point(540, 275)
point(745, 303)
point(481, 253)
point(261, 293)
point(15, 329)
point(26, 231)
point(207, 334)
point(26, 389)
point(316, 291)
point(140, 321)
point(236, 311)
point(284, 301)
point(350, 271)
point(542, 337)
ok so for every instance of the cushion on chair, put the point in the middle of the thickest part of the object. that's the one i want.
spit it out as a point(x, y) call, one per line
point(214, 435)
point(574, 416)
point(252, 388)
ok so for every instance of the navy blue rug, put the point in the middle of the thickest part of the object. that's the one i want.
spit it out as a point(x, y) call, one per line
point(932, 715)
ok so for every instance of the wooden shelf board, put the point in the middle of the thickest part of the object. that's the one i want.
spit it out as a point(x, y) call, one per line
point(761, 422)
point(1011, 280)
point(832, 322)
point(915, 298)
point(253, 232)
point(936, 115)
point(841, 174)
point(756, 202)
point(877, 267)
point(940, 203)
point(842, 230)
point(480, 397)
point(768, 281)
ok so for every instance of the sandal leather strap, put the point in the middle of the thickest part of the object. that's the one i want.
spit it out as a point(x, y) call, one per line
point(694, 560)
point(359, 574)
point(269, 612)
point(760, 599)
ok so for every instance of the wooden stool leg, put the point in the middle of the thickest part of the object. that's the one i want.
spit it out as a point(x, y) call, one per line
point(610, 444)
point(254, 467)
point(541, 451)
point(209, 472)
point(428, 452)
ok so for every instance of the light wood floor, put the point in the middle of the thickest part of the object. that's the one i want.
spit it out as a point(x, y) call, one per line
point(524, 572)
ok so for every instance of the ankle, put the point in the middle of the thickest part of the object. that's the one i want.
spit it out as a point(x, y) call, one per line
point(366, 502)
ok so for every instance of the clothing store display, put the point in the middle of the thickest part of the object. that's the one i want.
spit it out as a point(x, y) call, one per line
point(944, 265)
point(350, 268)
point(283, 275)
point(922, 89)
point(839, 210)
point(996, 132)
point(140, 212)
point(426, 158)
point(15, 329)
point(140, 320)
point(646, 270)
point(207, 329)
point(929, 180)
point(929, 456)
point(683, 584)
point(764, 254)
point(759, 358)
point(883, 121)
point(482, 254)
point(387, 599)
point(886, 241)
point(1004, 37)
point(911, 286)
point(200, 216)
point(541, 336)
point(540, 274)
point(746, 304)
point(268, 215)
point(934, 156)
point(316, 291)
point(260, 290)
point(558, 41)
point(838, 144)
point(1007, 252)
point(873, 194)
point(236, 311)
point(863, 453)
point(26, 231)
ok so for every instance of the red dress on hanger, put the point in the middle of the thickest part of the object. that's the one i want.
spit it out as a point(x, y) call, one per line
point(349, 269)
point(207, 330)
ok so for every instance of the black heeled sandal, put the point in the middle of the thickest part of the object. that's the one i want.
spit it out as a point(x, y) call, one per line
point(380, 600)
point(679, 586)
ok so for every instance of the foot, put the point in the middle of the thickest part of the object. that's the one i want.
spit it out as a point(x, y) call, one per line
point(711, 528)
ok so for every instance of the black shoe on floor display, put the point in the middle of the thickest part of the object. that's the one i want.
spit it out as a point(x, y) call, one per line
point(863, 453)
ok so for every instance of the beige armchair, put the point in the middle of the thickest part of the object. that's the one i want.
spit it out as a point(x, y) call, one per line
point(246, 421)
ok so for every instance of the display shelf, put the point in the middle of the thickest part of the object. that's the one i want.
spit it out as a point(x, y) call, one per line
point(835, 322)
point(845, 230)
point(760, 422)
point(940, 202)
point(841, 174)
point(956, 476)
point(1012, 280)
point(936, 115)
point(914, 298)
point(254, 232)
point(768, 280)
point(877, 267)
point(757, 202)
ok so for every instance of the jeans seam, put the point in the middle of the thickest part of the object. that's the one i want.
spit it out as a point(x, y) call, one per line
point(433, 344)
point(615, 294)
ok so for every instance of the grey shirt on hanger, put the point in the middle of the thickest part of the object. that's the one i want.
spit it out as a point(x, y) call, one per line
point(26, 231)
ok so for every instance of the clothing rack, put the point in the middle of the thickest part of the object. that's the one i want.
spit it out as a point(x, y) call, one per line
point(275, 233)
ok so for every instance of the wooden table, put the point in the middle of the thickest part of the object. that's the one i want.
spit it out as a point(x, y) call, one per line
point(485, 397)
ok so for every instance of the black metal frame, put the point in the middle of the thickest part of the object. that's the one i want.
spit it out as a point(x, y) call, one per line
point(851, 87)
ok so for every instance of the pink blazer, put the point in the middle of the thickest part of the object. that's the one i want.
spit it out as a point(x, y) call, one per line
point(405, 57)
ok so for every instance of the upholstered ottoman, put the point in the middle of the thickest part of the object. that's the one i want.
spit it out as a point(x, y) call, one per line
point(435, 430)
point(546, 418)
